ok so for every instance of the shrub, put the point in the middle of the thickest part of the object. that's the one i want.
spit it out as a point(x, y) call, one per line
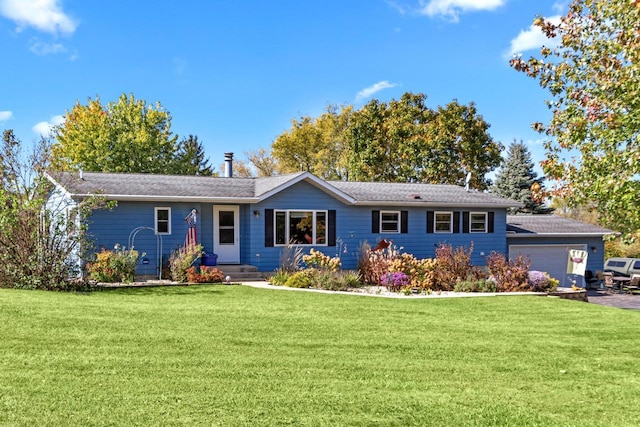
point(317, 259)
point(317, 279)
point(181, 259)
point(475, 286)
point(453, 265)
point(540, 281)
point(279, 277)
point(204, 274)
point(301, 279)
point(351, 279)
point(395, 281)
point(421, 272)
point(118, 265)
point(509, 275)
point(374, 264)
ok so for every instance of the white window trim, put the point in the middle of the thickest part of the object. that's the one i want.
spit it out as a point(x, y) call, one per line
point(399, 226)
point(435, 222)
point(155, 219)
point(288, 222)
point(486, 220)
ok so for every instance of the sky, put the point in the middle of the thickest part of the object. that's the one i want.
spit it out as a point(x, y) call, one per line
point(235, 73)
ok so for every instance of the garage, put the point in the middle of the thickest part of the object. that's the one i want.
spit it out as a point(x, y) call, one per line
point(546, 240)
point(549, 258)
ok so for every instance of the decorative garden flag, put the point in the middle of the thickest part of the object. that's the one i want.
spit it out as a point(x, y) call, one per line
point(191, 219)
point(577, 262)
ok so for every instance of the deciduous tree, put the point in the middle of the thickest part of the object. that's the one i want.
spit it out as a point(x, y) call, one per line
point(313, 144)
point(123, 136)
point(593, 77)
point(405, 141)
point(38, 240)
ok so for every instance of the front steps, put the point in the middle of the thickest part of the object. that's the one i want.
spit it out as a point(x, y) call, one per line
point(241, 272)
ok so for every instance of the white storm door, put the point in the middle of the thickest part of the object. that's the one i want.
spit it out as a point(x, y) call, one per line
point(226, 233)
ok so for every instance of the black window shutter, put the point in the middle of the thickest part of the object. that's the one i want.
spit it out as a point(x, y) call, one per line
point(268, 228)
point(404, 222)
point(490, 219)
point(465, 222)
point(456, 222)
point(375, 221)
point(430, 219)
point(331, 228)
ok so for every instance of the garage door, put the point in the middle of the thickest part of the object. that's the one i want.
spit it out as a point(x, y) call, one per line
point(549, 258)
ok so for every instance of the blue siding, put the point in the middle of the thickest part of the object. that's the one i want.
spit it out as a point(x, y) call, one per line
point(353, 227)
point(110, 227)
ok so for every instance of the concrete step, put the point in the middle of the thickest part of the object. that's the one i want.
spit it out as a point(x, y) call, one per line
point(241, 272)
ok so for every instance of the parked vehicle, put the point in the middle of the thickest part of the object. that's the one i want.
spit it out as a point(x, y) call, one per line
point(623, 266)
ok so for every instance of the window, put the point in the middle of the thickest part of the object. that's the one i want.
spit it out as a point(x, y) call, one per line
point(301, 227)
point(443, 222)
point(163, 220)
point(478, 222)
point(389, 222)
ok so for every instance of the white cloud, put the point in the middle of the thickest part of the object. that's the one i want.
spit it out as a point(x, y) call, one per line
point(43, 15)
point(5, 115)
point(44, 128)
point(532, 38)
point(373, 89)
point(41, 48)
point(452, 8)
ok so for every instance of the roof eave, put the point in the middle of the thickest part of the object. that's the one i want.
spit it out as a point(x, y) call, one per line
point(433, 204)
point(533, 234)
point(147, 198)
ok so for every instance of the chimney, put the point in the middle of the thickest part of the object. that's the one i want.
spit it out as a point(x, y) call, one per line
point(228, 165)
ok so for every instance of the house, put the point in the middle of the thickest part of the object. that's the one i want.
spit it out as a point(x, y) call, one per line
point(249, 221)
point(546, 240)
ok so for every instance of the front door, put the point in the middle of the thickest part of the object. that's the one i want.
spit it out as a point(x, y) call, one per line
point(226, 233)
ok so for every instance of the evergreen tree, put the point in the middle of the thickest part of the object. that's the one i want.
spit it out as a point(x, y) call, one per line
point(515, 179)
point(190, 158)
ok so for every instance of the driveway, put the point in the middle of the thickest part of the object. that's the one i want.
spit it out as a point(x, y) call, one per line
point(628, 301)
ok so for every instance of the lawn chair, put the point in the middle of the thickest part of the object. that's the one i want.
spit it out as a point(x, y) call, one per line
point(607, 279)
point(634, 283)
point(592, 281)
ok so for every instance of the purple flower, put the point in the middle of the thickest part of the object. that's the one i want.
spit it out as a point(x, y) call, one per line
point(394, 280)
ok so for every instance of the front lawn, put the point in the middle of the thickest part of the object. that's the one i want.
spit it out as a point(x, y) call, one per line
point(232, 355)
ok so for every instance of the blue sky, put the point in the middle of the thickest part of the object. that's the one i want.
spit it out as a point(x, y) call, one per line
point(235, 73)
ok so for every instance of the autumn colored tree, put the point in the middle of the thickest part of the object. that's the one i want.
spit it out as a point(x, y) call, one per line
point(262, 162)
point(516, 179)
point(593, 77)
point(313, 144)
point(123, 136)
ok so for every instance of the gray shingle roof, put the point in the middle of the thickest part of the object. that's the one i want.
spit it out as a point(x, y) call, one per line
point(442, 195)
point(120, 186)
point(551, 225)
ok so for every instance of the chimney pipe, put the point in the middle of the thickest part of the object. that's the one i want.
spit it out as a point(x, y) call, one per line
point(228, 165)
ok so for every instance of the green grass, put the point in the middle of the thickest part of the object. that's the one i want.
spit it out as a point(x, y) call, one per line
point(231, 355)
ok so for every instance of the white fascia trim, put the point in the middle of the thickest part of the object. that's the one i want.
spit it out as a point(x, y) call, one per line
point(511, 235)
point(136, 198)
point(59, 188)
point(434, 205)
